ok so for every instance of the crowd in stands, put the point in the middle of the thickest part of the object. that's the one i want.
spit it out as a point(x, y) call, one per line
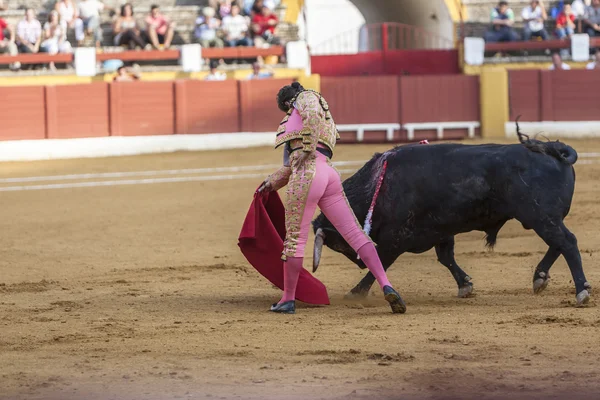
point(222, 23)
point(228, 23)
point(569, 17)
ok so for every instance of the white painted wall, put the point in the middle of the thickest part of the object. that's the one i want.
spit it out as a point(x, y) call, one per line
point(326, 19)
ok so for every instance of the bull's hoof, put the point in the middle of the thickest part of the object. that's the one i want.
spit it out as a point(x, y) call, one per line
point(355, 294)
point(541, 283)
point(583, 298)
point(465, 291)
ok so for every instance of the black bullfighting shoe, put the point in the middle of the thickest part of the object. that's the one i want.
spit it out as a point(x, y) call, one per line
point(396, 302)
point(289, 307)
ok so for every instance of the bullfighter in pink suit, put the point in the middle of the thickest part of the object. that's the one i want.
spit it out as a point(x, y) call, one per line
point(309, 134)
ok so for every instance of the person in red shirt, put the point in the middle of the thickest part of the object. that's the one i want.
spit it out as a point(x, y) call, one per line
point(565, 23)
point(7, 44)
point(263, 26)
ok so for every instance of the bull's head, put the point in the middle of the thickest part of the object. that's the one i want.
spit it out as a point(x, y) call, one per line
point(326, 234)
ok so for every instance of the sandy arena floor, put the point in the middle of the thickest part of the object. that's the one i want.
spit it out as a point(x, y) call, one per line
point(139, 291)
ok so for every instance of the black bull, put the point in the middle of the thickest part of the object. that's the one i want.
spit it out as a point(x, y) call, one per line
point(430, 193)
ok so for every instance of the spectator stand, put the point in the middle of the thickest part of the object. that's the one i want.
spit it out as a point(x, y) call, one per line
point(182, 12)
point(479, 23)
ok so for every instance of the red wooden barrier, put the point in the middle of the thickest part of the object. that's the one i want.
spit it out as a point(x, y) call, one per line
point(207, 107)
point(154, 55)
point(554, 95)
point(412, 62)
point(362, 100)
point(524, 95)
point(439, 98)
point(259, 106)
point(142, 108)
point(23, 113)
point(77, 110)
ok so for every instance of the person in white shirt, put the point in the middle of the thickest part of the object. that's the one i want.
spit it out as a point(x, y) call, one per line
point(235, 27)
point(29, 33)
point(557, 63)
point(579, 7)
point(214, 74)
point(596, 63)
point(534, 16)
point(69, 19)
point(55, 37)
point(89, 12)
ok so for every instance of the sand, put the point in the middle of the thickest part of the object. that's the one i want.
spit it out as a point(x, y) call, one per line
point(140, 292)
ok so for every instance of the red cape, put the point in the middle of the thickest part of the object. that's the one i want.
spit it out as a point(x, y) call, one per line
point(261, 242)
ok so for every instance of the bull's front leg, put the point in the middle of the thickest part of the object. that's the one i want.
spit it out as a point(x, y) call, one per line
point(445, 254)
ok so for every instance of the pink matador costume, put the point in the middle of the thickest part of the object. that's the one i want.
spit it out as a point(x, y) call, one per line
point(309, 127)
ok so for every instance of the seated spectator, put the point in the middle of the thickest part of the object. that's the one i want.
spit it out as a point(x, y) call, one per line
point(160, 29)
point(579, 7)
point(2, 6)
point(214, 74)
point(29, 33)
point(263, 26)
point(534, 16)
point(592, 19)
point(503, 18)
point(256, 8)
point(565, 23)
point(557, 63)
point(55, 37)
point(207, 29)
point(596, 63)
point(89, 12)
point(126, 29)
point(235, 28)
point(69, 19)
point(256, 74)
point(8, 45)
point(225, 8)
point(125, 74)
point(247, 6)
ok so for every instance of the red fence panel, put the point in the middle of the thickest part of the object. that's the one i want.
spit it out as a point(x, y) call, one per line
point(413, 62)
point(421, 62)
point(207, 107)
point(259, 106)
point(23, 113)
point(439, 98)
point(142, 108)
point(76, 111)
point(362, 100)
point(370, 63)
point(524, 95)
point(571, 95)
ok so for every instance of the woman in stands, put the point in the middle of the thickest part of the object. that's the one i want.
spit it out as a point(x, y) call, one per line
point(55, 37)
point(126, 30)
point(69, 18)
point(308, 135)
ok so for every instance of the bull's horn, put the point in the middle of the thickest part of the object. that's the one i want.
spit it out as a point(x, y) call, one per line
point(319, 239)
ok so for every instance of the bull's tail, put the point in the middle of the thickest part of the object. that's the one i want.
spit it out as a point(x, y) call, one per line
point(562, 152)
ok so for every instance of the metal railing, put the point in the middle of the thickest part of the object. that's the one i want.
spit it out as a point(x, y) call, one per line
point(382, 37)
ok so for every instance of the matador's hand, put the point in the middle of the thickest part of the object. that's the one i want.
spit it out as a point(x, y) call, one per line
point(265, 187)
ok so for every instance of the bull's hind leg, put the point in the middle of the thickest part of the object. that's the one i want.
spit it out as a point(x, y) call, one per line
point(558, 236)
point(445, 254)
point(541, 276)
